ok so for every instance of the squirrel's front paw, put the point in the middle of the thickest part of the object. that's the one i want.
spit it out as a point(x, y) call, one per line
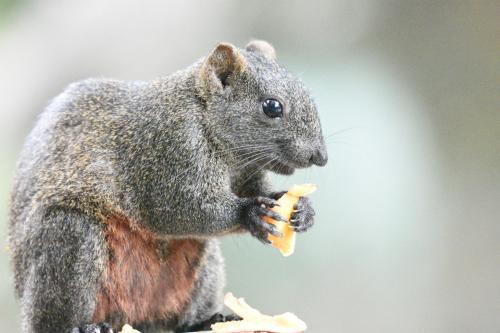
point(253, 220)
point(303, 216)
point(93, 328)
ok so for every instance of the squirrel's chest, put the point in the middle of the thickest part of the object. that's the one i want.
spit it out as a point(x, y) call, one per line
point(145, 280)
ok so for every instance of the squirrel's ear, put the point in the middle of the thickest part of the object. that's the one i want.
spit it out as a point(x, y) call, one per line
point(262, 47)
point(219, 67)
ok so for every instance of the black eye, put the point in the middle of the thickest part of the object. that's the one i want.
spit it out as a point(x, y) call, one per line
point(272, 108)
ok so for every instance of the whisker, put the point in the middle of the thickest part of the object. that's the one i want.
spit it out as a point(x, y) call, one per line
point(338, 142)
point(259, 169)
point(244, 156)
point(238, 149)
point(339, 132)
point(257, 157)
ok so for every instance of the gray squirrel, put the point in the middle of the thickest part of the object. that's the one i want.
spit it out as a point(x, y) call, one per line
point(123, 189)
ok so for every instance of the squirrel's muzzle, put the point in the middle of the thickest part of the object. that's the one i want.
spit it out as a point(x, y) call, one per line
point(319, 156)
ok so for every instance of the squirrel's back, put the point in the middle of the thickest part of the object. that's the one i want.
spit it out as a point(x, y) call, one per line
point(60, 154)
point(90, 135)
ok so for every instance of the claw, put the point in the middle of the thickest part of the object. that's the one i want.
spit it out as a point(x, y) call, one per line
point(275, 232)
point(264, 240)
point(267, 202)
point(232, 317)
point(271, 228)
point(271, 214)
point(216, 318)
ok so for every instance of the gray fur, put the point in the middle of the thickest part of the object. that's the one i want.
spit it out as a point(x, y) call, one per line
point(174, 154)
point(66, 253)
point(205, 301)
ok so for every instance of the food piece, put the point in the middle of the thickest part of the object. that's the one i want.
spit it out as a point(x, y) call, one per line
point(254, 321)
point(286, 244)
point(128, 329)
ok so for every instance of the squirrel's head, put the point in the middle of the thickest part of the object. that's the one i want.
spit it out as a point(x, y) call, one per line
point(262, 115)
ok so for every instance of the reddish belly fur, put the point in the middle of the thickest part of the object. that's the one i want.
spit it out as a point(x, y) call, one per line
point(142, 282)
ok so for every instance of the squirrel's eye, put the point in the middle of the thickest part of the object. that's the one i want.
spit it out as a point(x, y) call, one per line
point(272, 108)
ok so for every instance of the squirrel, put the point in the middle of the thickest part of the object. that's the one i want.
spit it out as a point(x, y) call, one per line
point(123, 189)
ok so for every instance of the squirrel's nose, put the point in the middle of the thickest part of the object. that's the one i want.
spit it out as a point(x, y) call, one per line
point(319, 157)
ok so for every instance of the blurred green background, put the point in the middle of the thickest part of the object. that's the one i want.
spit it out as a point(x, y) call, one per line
point(407, 237)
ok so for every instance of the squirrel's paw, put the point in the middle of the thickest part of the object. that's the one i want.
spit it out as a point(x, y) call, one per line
point(220, 318)
point(206, 325)
point(254, 222)
point(303, 216)
point(93, 328)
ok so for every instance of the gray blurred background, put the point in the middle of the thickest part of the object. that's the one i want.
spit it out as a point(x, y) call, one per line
point(407, 237)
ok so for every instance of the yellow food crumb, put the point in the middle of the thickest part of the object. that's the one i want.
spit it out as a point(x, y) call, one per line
point(286, 244)
point(254, 321)
point(128, 329)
